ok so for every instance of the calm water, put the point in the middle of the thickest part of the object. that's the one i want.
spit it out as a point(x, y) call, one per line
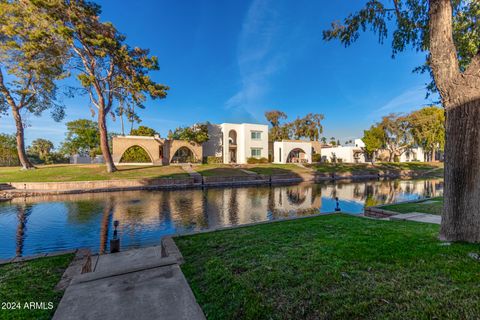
point(52, 223)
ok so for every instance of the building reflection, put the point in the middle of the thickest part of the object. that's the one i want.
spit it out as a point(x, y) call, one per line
point(152, 214)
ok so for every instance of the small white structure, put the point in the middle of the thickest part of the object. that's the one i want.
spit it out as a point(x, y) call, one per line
point(292, 151)
point(413, 154)
point(350, 153)
point(81, 159)
point(235, 143)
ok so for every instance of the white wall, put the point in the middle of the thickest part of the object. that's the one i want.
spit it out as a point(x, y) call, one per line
point(413, 154)
point(244, 140)
point(346, 153)
point(285, 147)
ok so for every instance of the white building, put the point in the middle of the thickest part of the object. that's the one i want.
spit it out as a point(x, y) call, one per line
point(413, 154)
point(350, 153)
point(235, 143)
point(354, 153)
point(292, 151)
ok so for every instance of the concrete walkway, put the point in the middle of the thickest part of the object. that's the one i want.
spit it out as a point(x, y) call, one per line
point(418, 217)
point(197, 177)
point(135, 284)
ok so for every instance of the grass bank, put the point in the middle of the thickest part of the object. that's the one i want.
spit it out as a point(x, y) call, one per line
point(31, 281)
point(58, 173)
point(334, 267)
point(90, 172)
point(431, 206)
point(274, 169)
point(378, 167)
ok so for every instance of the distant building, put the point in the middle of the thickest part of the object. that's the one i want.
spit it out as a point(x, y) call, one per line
point(292, 151)
point(160, 151)
point(235, 143)
point(352, 153)
point(82, 159)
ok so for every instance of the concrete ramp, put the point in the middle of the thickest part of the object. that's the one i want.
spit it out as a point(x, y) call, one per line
point(135, 284)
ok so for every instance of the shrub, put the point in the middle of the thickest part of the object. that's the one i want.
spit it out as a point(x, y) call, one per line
point(135, 154)
point(256, 160)
point(317, 157)
point(212, 160)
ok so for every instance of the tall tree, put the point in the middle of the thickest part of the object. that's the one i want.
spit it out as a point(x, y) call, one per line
point(309, 126)
point(8, 150)
point(197, 133)
point(428, 129)
point(41, 148)
point(32, 58)
point(277, 130)
point(109, 70)
point(397, 134)
point(82, 138)
point(449, 33)
point(374, 139)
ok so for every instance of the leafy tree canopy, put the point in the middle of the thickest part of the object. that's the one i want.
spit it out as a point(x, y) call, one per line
point(82, 138)
point(8, 150)
point(41, 148)
point(409, 20)
point(374, 139)
point(197, 133)
point(428, 128)
point(143, 131)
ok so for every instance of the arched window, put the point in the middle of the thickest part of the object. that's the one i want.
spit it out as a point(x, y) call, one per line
point(135, 154)
point(297, 155)
point(183, 155)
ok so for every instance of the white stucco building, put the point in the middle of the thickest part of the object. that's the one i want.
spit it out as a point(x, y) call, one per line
point(235, 143)
point(413, 154)
point(349, 153)
point(292, 151)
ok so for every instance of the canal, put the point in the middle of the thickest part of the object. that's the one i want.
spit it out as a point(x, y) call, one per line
point(52, 223)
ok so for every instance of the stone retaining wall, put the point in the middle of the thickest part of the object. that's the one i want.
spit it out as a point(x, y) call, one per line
point(84, 186)
point(234, 180)
point(377, 212)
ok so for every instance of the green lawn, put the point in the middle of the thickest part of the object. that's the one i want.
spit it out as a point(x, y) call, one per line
point(273, 169)
point(87, 173)
point(432, 206)
point(32, 281)
point(219, 170)
point(332, 267)
point(379, 166)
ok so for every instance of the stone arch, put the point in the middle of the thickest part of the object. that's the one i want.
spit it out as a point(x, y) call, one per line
point(143, 149)
point(152, 145)
point(296, 155)
point(184, 146)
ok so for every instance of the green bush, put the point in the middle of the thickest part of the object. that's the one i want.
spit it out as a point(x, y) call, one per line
point(212, 160)
point(317, 157)
point(256, 160)
point(135, 154)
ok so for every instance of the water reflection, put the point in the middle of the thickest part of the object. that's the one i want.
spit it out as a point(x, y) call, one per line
point(52, 223)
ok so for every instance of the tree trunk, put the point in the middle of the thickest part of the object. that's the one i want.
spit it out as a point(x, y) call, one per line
point(22, 155)
point(107, 156)
point(461, 213)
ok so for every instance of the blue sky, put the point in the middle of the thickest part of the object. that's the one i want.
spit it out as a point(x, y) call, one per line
point(230, 61)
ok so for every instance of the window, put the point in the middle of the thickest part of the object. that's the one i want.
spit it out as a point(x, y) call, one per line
point(256, 135)
point(256, 152)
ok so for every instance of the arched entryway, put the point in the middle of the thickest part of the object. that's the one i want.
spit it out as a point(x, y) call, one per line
point(136, 154)
point(184, 155)
point(232, 146)
point(297, 155)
